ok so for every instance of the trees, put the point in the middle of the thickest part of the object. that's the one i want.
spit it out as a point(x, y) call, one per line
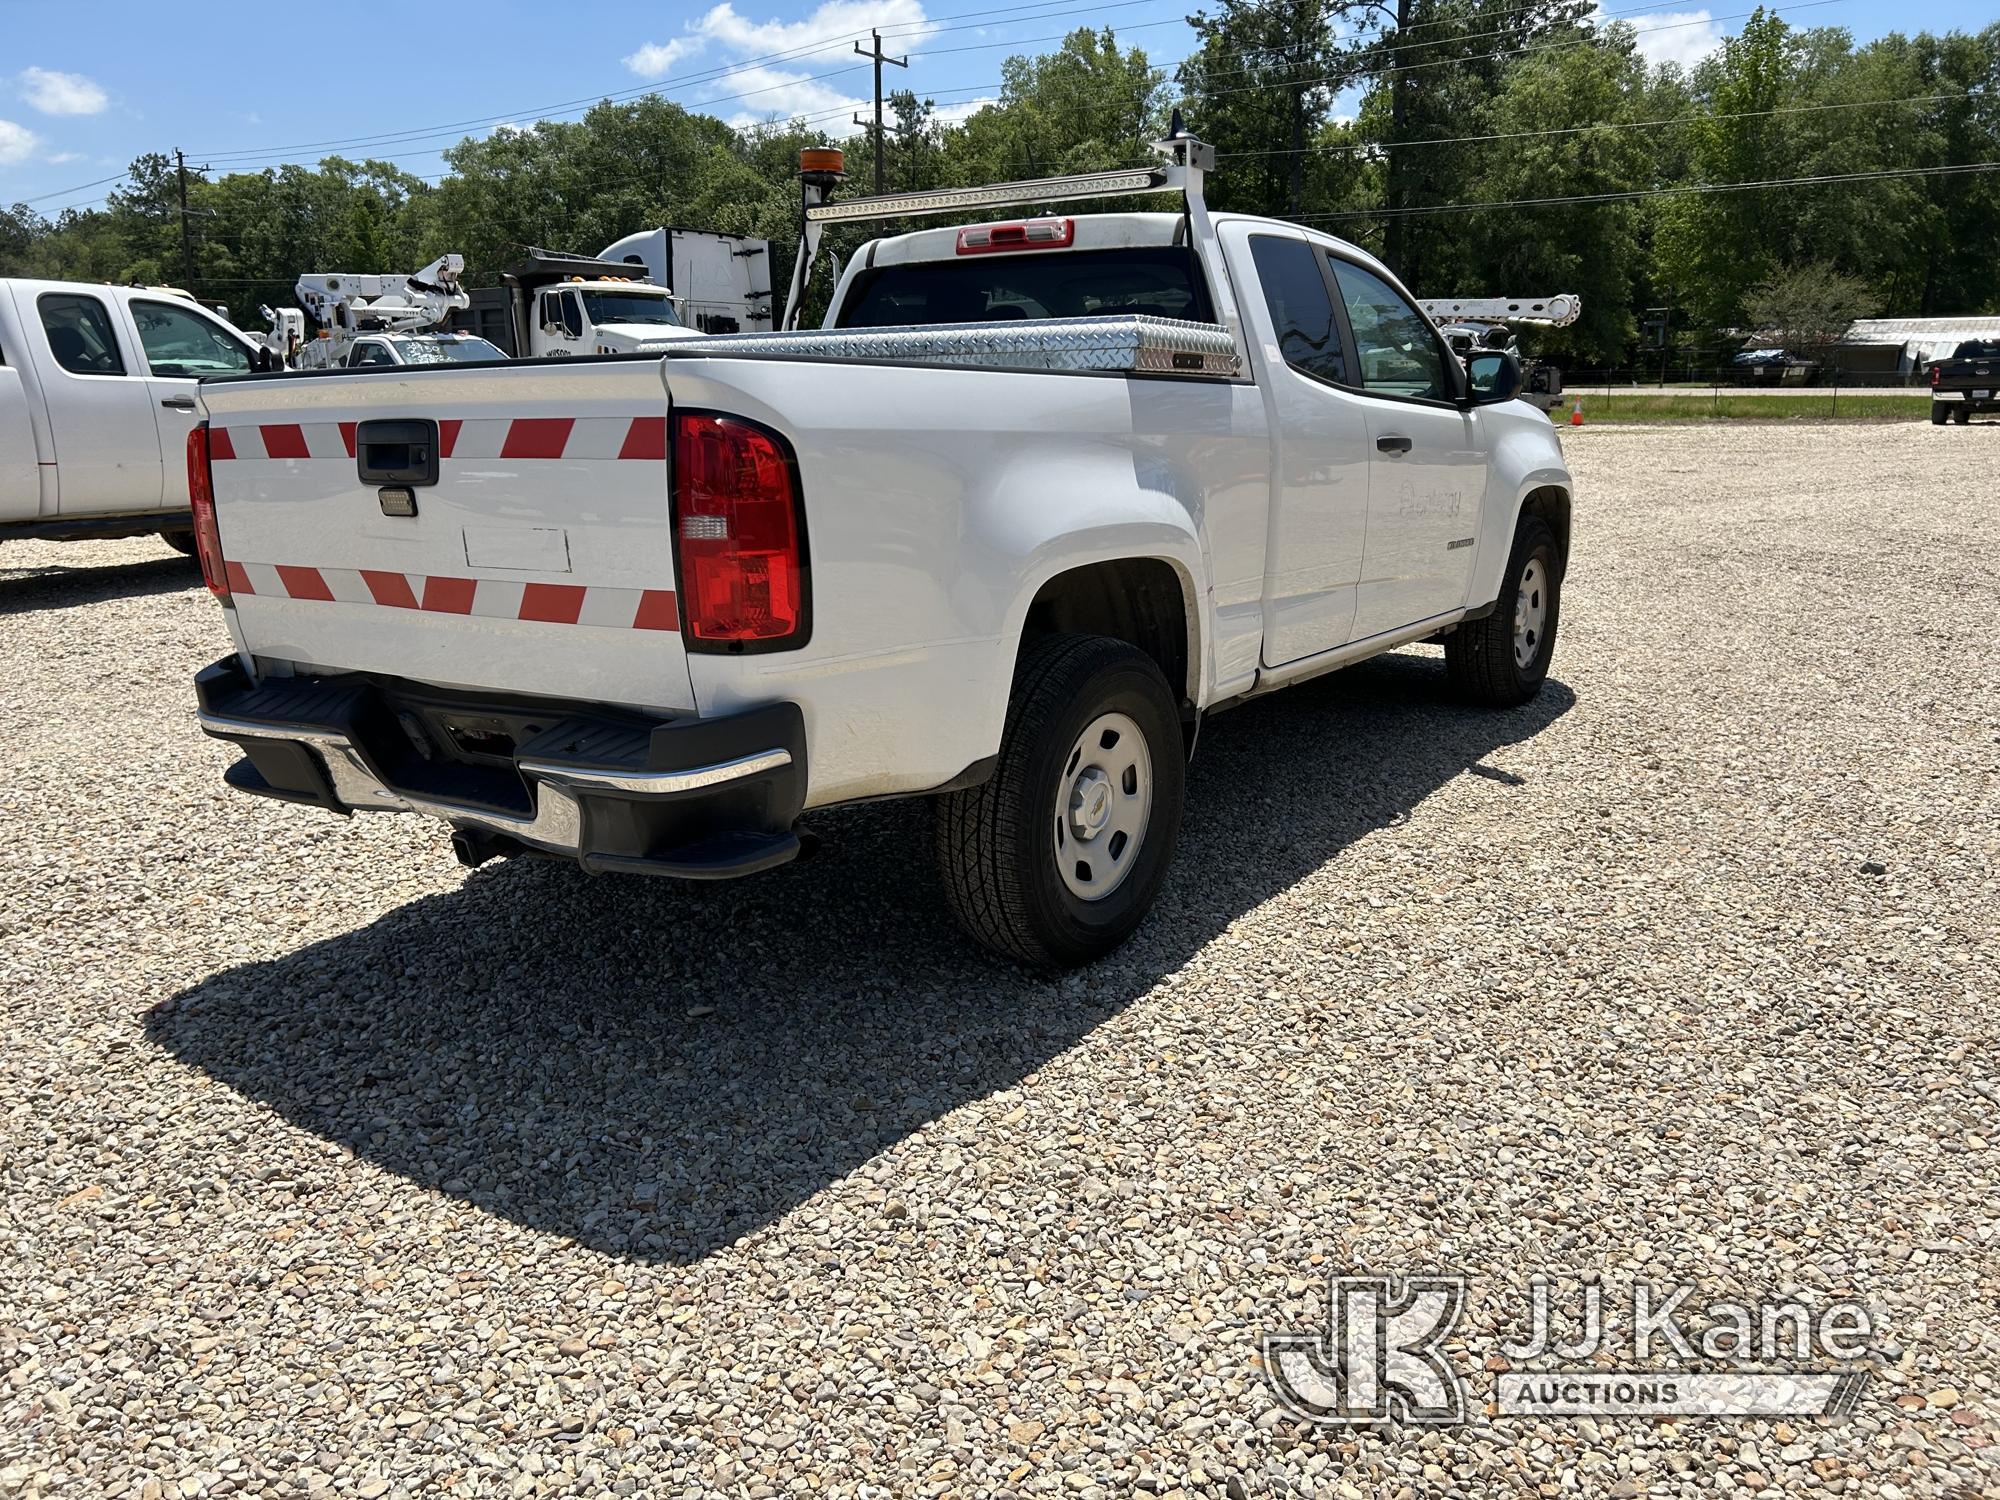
point(1595, 94)
point(1084, 107)
point(1259, 89)
point(1454, 102)
point(1809, 307)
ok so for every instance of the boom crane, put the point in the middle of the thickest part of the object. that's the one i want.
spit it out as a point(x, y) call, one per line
point(1473, 323)
point(346, 304)
point(1559, 311)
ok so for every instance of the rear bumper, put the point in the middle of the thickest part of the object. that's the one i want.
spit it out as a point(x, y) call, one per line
point(1966, 394)
point(616, 791)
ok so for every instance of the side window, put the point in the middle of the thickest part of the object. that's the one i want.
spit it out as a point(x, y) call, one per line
point(369, 354)
point(1395, 343)
point(572, 316)
point(184, 345)
point(80, 336)
point(1301, 310)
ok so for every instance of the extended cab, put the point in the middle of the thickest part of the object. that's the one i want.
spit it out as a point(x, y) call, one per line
point(1968, 382)
point(1040, 495)
point(97, 396)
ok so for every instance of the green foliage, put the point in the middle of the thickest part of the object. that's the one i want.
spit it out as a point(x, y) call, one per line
point(1084, 107)
point(1810, 306)
point(1462, 102)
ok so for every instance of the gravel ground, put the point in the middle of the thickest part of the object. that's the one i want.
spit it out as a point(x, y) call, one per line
point(331, 1168)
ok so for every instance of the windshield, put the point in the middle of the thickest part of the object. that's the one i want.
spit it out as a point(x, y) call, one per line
point(1158, 280)
point(629, 307)
point(445, 351)
point(1977, 349)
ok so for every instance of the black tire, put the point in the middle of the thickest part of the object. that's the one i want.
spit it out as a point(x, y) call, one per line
point(1479, 656)
point(1962, 415)
point(180, 541)
point(1940, 413)
point(997, 842)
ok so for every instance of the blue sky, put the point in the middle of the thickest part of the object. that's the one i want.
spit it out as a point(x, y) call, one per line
point(84, 88)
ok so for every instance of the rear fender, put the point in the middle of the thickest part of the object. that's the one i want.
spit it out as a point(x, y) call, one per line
point(1085, 520)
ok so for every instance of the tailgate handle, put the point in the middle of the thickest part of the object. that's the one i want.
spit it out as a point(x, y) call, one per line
point(398, 450)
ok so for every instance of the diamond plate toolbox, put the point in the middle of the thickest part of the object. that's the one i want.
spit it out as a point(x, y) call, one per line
point(1136, 344)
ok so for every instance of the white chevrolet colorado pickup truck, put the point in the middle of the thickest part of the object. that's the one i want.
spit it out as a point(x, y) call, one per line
point(1038, 496)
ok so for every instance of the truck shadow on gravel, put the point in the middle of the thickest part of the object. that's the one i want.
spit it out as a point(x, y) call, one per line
point(537, 1042)
point(26, 589)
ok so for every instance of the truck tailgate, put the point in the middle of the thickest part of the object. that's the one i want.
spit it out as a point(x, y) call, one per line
point(540, 562)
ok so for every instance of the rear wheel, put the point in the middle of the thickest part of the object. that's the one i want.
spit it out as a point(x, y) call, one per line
point(1503, 659)
point(1940, 413)
point(180, 541)
point(1056, 858)
point(1962, 415)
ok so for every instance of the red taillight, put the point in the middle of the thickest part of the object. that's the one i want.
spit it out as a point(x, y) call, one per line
point(1934, 374)
point(201, 500)
point(1022, 234)
point(741, 535)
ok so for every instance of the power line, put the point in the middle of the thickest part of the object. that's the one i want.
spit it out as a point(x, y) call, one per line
point(1523, 51)
point(1363, 147)
point(1683, 190)
point(720, 72)
point(275, 154)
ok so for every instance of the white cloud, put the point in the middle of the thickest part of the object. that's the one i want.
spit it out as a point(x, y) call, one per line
point(834, 21)
point(754, 94)
point(57, 158)
point(758, 91)
point(656, 59)
point(17, 143)
point(1682, 37)
point(56, 93)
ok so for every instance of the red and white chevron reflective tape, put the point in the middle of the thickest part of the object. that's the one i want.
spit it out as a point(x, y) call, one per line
point(487, 598)
point(471, 437)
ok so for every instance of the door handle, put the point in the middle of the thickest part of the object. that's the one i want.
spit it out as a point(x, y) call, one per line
point(1394, 444)
point(178, 403)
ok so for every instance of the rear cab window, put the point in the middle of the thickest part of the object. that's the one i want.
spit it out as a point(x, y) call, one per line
point(1301, 307)
point(79, 333)
point(1161, 281)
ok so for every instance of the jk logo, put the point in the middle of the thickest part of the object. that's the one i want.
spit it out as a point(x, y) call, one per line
point(1380, 1356)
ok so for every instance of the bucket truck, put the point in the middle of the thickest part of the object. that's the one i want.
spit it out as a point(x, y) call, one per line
point(368, 319)
point(1470, 324)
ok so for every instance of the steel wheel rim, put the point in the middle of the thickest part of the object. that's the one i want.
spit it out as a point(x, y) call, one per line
point(1531, 613)
point(1104, 802)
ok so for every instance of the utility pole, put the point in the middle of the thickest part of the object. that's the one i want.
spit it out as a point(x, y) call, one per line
point(187, 237)
point(895, 62)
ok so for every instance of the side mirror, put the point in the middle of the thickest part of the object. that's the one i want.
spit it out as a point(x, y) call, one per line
point(1495, 375)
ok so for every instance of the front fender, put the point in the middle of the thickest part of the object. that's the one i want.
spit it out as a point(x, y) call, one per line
point(1525, 456)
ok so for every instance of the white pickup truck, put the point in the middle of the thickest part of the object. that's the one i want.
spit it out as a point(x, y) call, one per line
point(1039, 496)
point(97, 396)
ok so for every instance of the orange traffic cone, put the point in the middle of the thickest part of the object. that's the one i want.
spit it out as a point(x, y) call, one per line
point(1576, 413)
